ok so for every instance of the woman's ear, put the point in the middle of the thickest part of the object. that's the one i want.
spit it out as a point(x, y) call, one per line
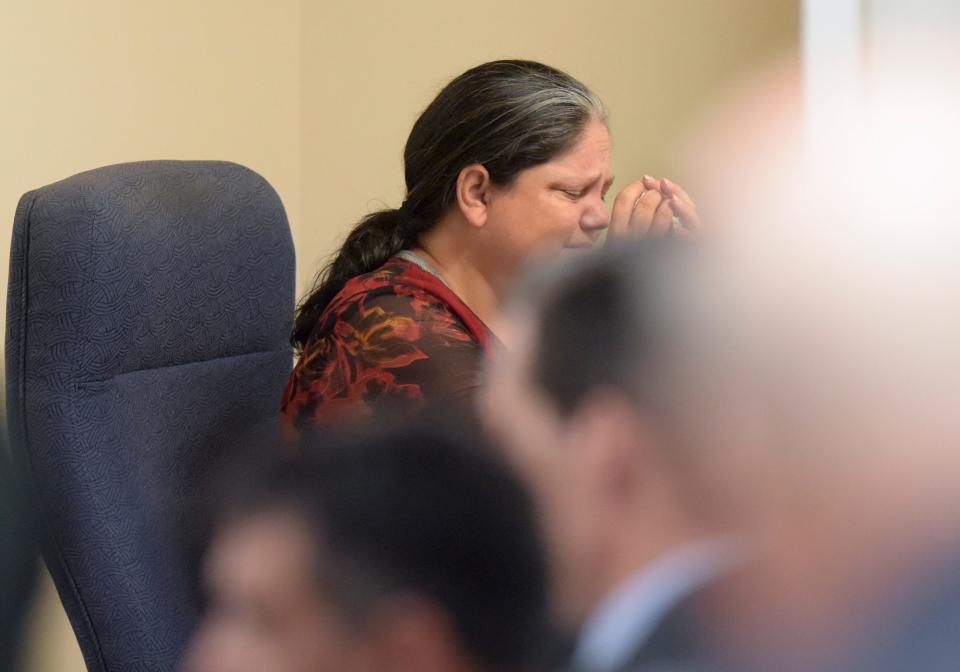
point(473, 192)
point(622, 454)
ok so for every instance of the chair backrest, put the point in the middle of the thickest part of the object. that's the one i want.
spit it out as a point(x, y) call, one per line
point(148, 317)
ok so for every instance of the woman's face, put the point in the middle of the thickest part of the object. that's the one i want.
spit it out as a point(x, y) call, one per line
point(555, 207)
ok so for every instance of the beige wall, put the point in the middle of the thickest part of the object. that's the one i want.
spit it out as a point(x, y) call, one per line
point(319, 95)
point(93, 82)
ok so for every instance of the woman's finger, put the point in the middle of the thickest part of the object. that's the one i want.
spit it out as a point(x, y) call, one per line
point(623, 207)
point(673, 189)
point(686, 212)
point(683, 206)
point(644, 211)
point(662, 219)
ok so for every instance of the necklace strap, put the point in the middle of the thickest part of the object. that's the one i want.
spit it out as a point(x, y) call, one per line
point(422, 264)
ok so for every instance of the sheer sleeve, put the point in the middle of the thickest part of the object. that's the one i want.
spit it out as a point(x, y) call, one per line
point(398, 350)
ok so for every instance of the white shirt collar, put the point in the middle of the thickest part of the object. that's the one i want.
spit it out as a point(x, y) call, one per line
point(623, 621)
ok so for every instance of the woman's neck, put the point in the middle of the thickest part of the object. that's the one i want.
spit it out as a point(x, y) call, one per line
point(452, 261)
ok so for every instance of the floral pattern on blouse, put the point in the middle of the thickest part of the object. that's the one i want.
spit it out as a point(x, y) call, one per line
point(396, 339)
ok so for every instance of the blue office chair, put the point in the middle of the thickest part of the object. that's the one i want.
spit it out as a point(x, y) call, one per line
point(148, 316)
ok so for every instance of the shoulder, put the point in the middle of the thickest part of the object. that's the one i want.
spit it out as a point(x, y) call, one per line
point(397, 296)
point(382, 282)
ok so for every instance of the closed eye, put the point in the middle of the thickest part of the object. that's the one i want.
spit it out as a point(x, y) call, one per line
point(606, 188)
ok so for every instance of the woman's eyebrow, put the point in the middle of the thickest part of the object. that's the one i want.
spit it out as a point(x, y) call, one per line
point(588, 184)
point(596, 179)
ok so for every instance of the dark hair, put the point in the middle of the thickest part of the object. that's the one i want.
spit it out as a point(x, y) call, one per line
point(415, 509)
point(506, 115)
point(606, 321)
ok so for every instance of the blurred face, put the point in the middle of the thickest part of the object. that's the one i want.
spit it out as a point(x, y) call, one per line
point(554, 207)
point(549, 453)
point(267, 613)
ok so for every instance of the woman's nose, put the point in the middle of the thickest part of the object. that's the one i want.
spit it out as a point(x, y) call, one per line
point(596, 218)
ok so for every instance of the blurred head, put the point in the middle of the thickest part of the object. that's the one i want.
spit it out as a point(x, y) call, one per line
point(514, 154)
point(406, 550)
point(582, 405)
point(837, 306)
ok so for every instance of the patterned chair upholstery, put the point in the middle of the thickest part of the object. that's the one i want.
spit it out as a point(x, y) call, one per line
point(148, 316)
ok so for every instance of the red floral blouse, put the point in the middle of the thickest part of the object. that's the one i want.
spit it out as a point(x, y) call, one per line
point(398, 338)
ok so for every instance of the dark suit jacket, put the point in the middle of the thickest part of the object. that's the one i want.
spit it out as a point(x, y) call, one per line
point(673, 645)
point(921, 634)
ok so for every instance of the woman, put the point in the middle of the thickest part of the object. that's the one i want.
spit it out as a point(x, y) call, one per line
point(510, 161)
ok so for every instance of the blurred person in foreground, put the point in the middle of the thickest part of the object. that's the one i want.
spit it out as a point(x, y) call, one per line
point(409, 549)
point(584, 406)
point(823, 371)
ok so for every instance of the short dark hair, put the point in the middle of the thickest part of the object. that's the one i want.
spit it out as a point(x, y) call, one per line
point(415, 509)
point(605, 321)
